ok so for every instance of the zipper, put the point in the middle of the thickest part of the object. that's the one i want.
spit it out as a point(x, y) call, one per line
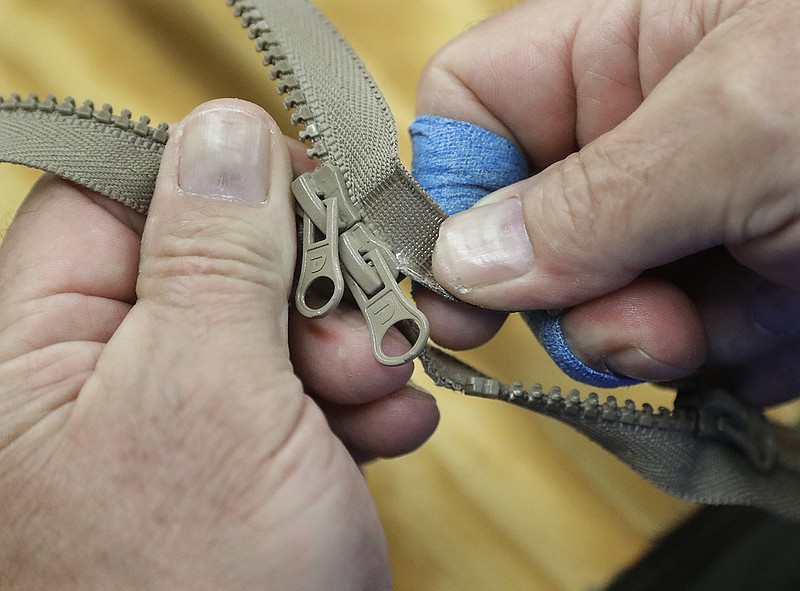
point(702, 410)
point(709, 448)
point(708, 413)
point(70, 140)
point(123, 122)
point(339, 250)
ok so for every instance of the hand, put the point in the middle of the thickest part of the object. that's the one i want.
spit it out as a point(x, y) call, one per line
point(666, 213)
point(153, 433)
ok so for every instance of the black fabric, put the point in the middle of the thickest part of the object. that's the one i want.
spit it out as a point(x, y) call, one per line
point(721, 549)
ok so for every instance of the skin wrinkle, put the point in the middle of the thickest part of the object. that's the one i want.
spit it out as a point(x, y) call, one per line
point(572, 93)
point(594, 39)
point(40, 402)
point(494, 124)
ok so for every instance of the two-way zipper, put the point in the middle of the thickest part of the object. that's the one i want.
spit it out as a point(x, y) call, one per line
point(339, 250)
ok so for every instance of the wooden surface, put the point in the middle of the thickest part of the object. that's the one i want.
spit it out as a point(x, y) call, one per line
point(499, 498)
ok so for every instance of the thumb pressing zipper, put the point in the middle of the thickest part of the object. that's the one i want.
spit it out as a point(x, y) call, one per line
point(338, 250)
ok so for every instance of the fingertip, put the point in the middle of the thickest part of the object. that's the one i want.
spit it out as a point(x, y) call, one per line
point(649, 330)
point(388, 427)
point(220, 210)
point(298, 152)
point(457, 325)
point(485, 246)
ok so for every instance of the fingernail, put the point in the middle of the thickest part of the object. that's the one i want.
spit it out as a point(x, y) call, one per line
point(775, 309)
point(636, 363)
point(226, 156)
point(484, 245)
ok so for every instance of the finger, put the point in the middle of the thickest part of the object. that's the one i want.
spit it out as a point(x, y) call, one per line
point(219, 231)
point(217, 259)
point(298, 153)
point(649, 330)
point(677, 168)
point(333, 357)
point(456, 325)
point(770, 379)
point(580, 79)
point(727, 297)
point(775, 309)
point(68, 267)
point(391, 426)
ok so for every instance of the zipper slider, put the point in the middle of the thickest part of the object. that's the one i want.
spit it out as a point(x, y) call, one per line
point(371, 274)
point(320, 199)
point(722, 417)
point(339, 249)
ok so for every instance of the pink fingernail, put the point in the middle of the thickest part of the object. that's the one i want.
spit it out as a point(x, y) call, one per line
point(484, 245)
point(226, 156)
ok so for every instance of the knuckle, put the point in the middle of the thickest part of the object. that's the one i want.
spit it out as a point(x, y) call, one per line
point(600, 181)
point(599, 196)
point(752, 94)
point(754, 84)
point(210, 258)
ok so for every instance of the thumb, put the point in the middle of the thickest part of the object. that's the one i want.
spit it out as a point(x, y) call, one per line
point(218, 246)
point(687, 171)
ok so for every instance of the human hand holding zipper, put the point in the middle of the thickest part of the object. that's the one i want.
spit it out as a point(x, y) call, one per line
point(154, 432)
point(665, 215)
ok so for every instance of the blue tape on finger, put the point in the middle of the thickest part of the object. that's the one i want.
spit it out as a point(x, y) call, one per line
point(458, 163)
point(549, 333)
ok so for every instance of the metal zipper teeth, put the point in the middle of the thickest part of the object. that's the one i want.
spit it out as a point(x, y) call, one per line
point(87, 111)
point(282, 73)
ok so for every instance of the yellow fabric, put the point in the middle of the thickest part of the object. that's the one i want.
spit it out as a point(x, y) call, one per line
point(499, 498)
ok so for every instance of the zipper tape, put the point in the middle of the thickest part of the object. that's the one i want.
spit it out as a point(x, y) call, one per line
point(111, 154)
point(710, 448)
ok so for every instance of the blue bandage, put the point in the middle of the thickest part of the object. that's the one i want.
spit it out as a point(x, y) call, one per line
point(550, 335)
point(458, 163)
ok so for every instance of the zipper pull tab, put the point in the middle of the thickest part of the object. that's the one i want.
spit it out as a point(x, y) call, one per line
point(371, 275)
point(319, 195)
point(320, 265)
point(339, 249)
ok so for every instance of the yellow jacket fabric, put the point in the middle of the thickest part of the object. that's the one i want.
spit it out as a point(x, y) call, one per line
point(499, 498)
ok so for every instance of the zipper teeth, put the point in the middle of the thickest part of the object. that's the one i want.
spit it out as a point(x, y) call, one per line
point(554, 402)
point(282, 73)
point(87, 111)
